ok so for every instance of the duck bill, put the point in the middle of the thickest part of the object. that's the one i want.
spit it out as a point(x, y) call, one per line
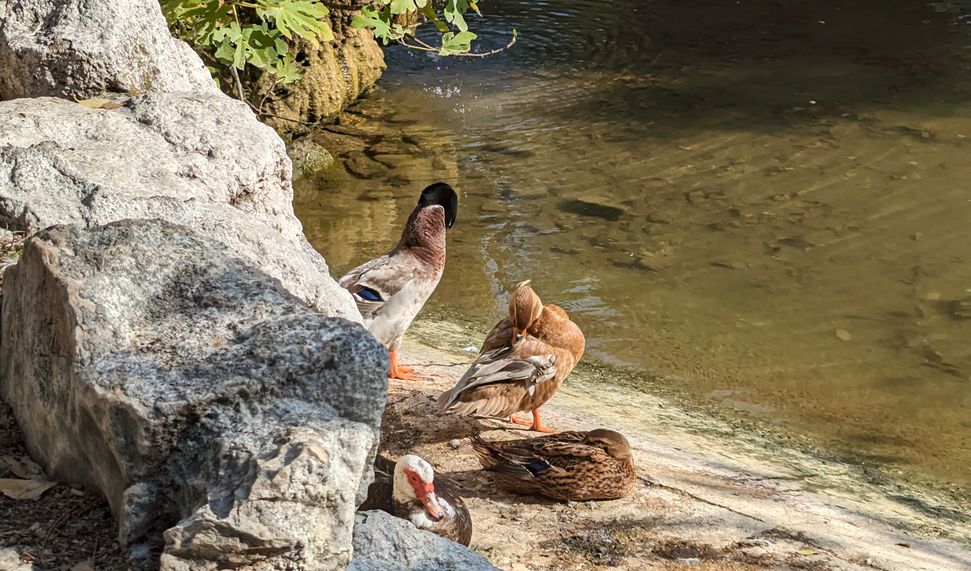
point(433, 506)
point(517, 334)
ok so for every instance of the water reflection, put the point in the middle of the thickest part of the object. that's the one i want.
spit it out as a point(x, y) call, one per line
point(772, 214)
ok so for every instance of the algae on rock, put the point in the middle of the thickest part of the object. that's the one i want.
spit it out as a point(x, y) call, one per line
point(336, 73)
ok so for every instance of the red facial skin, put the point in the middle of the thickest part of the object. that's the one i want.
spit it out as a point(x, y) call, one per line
point(426, 493)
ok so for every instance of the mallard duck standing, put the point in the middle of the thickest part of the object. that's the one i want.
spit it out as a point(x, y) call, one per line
point(523, 361)
point(408, 490)
point(573, 466)
point(391, 290)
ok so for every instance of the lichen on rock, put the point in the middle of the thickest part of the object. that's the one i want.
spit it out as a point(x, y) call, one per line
point(336, 73)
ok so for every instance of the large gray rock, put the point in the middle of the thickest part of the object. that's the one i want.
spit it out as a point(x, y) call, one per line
point(146, 361)
point(383, 542)
point(81, 48)
point(202, 160)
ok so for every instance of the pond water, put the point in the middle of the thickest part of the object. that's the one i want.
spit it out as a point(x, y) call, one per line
point(767, 204)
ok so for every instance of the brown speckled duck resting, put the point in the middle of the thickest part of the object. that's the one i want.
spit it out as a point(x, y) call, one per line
point(574, 466)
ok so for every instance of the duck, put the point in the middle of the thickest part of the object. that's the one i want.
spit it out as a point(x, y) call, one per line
point(407, 489)
point(390, 291)
point(568, 466)
point(522, 362)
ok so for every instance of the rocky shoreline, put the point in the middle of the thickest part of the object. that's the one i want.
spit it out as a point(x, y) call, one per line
point(709, 497)
point(171, 342)
point(169, 339)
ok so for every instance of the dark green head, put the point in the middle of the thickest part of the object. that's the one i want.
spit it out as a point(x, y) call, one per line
point(442, 195)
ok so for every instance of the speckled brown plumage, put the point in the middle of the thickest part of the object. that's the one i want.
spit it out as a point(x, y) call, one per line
point(575, 466)
point(518, 374)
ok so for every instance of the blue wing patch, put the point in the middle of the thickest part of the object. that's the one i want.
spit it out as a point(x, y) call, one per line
point(537, 466)
point(368, 294)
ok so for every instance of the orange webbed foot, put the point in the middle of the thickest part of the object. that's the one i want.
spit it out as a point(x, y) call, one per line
point(403, 373)
point(542, 428)
point(400, 371)
point(535, 424)
point(520, 421)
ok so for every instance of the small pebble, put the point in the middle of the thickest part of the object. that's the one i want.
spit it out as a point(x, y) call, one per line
point(932, 296)
point(454, 443)
point(843, 335)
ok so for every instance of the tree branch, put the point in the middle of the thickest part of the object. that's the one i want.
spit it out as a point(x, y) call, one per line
point(422, 46)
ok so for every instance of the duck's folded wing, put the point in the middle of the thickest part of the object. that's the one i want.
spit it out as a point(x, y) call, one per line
point(556, 452)
point(516, 462)
point(378, 497)
point(525, 366)
point(532, 370)
point(374, 283)
point(499, 337)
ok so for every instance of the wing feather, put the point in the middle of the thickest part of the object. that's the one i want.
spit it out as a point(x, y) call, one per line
point(528, 364)
point(385, 276)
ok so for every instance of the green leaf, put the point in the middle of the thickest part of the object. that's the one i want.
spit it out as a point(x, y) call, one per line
point(453, 11)
point(225, 51)
point(303, 18)
point(287, 70)
point(198, 18)
point(378, 21)
point(456, 43)
point(405, 6)
point(432, 15)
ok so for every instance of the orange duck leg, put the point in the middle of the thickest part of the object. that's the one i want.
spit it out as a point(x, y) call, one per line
point(398, 371)
point(536, 425)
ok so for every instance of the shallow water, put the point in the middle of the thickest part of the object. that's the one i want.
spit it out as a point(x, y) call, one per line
point(767, 204)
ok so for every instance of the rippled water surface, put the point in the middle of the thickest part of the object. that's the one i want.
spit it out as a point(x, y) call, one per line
point(767, 204)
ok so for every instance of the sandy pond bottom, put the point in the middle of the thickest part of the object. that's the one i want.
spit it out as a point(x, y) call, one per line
point(709, 497)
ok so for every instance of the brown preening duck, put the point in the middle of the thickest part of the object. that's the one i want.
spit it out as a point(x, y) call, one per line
point(574, 466)
point(391, 290)
point(523, 361)
point(408, 489)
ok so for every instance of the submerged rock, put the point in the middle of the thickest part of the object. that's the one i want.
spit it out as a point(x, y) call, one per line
point(309, 158)
point(590, 207)
point(143, 360)
point(383, 542)
point(362, 166)
point(78, 49)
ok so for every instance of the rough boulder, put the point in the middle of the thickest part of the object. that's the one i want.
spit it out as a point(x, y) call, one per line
point(81, 48)
point(146, 361)
point(383, 542)
point(199, 160)
point(176, 148)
